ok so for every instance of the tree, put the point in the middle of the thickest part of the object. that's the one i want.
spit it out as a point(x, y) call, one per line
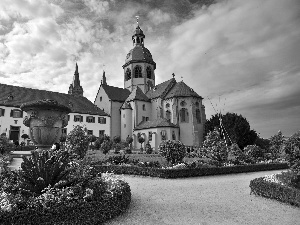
point(5, 145)
point(237, 129)
point(24, 136)
point(78, 141)
point(292, 148)
point(215, 147)
point(276, 145)
point(141, 141)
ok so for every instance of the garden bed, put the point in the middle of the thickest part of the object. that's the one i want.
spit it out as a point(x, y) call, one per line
point(192, 172)
point(84, 212)
point(276, 191)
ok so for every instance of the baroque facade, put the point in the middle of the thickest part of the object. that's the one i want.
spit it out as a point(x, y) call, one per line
point(83, 111)
point(167, 111)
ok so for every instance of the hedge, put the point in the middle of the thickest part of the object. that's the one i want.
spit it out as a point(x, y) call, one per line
point(178, 173)
point(94, 212)
point(276, 191)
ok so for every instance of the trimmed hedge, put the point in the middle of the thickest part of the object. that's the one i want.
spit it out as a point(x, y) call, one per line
point(276, 191)
point(178, 173)
point(93, 212)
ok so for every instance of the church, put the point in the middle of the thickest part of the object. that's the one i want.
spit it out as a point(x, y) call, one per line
point(167, 111)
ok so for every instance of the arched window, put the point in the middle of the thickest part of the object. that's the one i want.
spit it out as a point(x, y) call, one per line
point(138, 72)
point(149, 72)
point(128, 74)
point(168, 115)
point(144, 107)
point(173, 135)
point(184, 115)
point(197, 104)
point(198, 116)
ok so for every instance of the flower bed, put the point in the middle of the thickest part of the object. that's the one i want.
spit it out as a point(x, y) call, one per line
point(270, 187)
point(186, 172)
point(94, 210)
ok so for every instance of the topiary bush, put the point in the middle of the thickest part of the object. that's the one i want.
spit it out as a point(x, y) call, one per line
point(148, 148)
point(78, 141)
point(173, 151)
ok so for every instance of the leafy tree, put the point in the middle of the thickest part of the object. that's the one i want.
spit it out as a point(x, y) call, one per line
point(24, 136)
point(292, 148)
point(276, 144)
point(237, 128)
point(263, 143)
point(78, 141)
point(141, 140)
point(173, 151)
point(253, 153)
point(106, 146)
point(215, 147)
point(5, 145)
point(117, 139)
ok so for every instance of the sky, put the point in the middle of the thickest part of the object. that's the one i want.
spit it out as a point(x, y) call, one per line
point(240, 56)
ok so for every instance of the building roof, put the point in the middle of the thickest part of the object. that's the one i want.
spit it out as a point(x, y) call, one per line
point(161, 122)
point(160, 90)
point(180, 89)
point(115, 93)
point(137, 94)
point(14, 96)
point(126, 106)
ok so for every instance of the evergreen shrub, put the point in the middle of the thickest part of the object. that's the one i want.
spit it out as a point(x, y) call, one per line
point(172, 151)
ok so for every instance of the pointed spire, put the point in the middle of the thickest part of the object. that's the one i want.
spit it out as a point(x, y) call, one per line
point(76, 68)
point(75, 88)
point(138, 36)
point(103, 81)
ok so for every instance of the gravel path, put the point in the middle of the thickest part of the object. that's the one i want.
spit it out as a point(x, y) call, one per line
point(223, 199)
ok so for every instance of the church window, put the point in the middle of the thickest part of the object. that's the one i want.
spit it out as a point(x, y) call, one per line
point(173, 135)
point(198, 116)
point(184, 115)
point(149, 72)
point(150, 136)
point(163, 135)
point(167, 105)
point(197, 104)
point(100, 99)
point(144, 107)
point(138, 72)
point(128, 74)
point(168, 115)
point(183, 103)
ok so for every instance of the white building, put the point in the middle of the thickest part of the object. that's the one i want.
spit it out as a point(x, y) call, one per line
point(170, 110)
point(83, 111)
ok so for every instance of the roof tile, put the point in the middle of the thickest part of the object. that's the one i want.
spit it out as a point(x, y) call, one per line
point(161, 122)
point(115, 93)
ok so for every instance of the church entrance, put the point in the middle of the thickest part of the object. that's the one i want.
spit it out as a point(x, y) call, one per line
point(14, 133)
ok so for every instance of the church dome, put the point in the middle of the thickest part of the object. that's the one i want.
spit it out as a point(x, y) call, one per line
point(139, 53)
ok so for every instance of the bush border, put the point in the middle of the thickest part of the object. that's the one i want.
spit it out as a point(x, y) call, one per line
point(94, 212)
point(275, 191)
point(179, 173)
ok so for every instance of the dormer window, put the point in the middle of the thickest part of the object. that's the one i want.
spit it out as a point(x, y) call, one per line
point(10, 97)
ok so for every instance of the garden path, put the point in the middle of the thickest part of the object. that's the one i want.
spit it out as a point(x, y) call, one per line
point(222, 199)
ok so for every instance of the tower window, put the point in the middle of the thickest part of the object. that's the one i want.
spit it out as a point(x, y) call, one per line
point(138, 72)
point(144, 107)
point(149, 72)
point(128, 74)
point(168, 115)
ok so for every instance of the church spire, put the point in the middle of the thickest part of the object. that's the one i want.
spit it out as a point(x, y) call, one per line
point(103, 81)
point(75, 88)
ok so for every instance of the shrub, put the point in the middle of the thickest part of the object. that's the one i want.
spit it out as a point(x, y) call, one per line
point(141, 140)
point(78, 141)
point(117, 139)
point(43, 169)
point(273, 190)
point(5, 145)
point(106, 146)
point(216, 147)
point(253, 153)
point(276, 143)
point(173, 151)
point(148, 148)
point(117, 148)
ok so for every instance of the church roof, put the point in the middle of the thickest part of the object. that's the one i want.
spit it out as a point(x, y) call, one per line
point(137, 94)
point(139, 53)
point(180, 89)
point(161, 122)
point(14, 96)
point(160, 90)
point(115, 93)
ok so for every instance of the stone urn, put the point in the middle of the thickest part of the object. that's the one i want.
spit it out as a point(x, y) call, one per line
point(45, 119)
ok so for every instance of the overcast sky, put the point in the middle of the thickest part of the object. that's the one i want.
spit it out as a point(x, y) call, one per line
point(240, 56)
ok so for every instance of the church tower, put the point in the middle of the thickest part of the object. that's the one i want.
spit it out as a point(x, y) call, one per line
point(75, 88)
point(139, 66)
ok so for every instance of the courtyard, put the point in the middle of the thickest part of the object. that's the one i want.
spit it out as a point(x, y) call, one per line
point(210, 200)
